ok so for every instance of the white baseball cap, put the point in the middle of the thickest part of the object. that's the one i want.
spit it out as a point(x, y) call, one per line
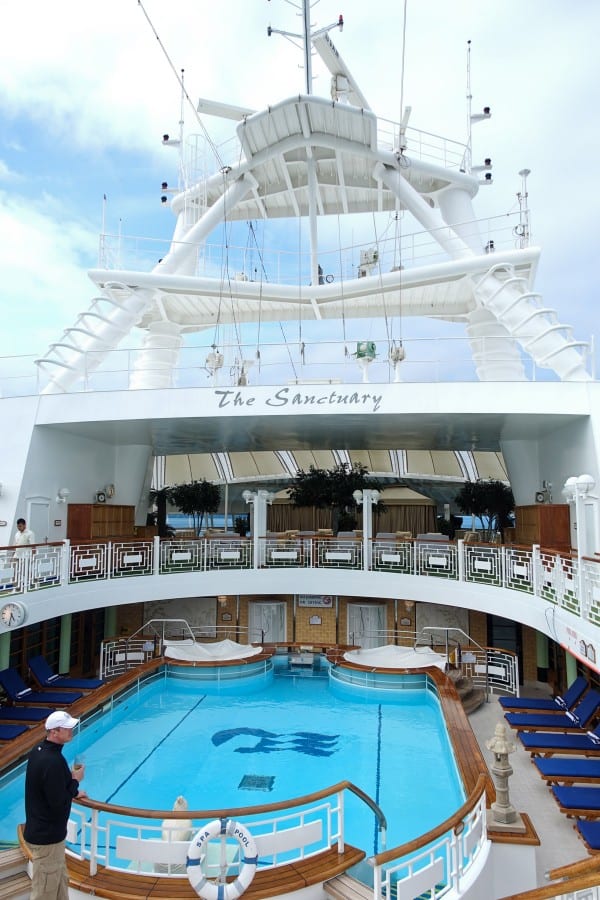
point(60, 719)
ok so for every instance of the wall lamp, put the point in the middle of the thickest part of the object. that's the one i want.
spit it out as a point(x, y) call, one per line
point(62, 495)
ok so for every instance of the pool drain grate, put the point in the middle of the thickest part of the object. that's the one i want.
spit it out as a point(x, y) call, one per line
point(257, 783)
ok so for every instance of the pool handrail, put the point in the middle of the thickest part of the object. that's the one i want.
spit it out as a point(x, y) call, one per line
point(234, 811)
point(89, 849)
point(454, 823)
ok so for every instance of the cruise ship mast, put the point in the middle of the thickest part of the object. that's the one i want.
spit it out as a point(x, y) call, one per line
point(306, 157)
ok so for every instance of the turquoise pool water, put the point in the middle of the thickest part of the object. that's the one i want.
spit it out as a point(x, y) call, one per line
point(274, 737)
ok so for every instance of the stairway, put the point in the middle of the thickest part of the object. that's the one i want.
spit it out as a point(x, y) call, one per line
point(345, 887)
point(470, 696)
point(15, 883)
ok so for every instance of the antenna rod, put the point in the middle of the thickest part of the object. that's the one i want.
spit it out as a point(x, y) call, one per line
point(523, 209)
point(307, 45)
point(469, 157)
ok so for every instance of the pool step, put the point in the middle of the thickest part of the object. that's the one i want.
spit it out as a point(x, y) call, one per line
point(345, 887)
point(470, 696)
point(14, 881)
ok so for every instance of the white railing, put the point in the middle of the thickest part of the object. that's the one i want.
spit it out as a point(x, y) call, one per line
point(549, 575)
point(311, 364)
point(438, 867)
point(134, 840)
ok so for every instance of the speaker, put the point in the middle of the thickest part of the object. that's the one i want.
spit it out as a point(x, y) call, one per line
point(100, 497)
point(541, 496)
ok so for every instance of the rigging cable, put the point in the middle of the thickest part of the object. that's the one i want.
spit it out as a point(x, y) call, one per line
point(210, 141)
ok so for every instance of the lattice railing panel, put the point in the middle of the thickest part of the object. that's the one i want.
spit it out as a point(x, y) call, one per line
point(332, 554)
point(287, 553)
point(483, 564)
point(518, 569)
point(132, 558)
point(89, 562)
point(392, 556)
point(437, 559)
point(181, 556)
point(556, 580)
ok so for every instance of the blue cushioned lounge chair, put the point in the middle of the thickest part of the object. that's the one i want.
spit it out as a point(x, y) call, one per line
point(18, 691)
point(590, 832)
point(578, 801)
point(576, 719)
point(25, 713)
point(10, 732)
point(549, 743)
point(547, 704)
point(46, 678)
point(567, 771)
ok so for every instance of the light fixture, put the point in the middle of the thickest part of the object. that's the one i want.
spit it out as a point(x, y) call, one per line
point(222, 600)
point(358, 497)
point(62, 495)
point(109, 490)
point(247, 496)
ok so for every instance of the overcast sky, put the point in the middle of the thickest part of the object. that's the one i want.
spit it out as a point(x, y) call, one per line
point(86, 94)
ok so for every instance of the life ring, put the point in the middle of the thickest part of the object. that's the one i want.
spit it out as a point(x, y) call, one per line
point(213, 890)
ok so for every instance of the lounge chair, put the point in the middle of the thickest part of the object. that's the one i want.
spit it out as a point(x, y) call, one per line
point(18, 691)
point(45, 677)
point(547, 704)
point(578, 801)
point(550, 743)
point(10, 732)
point(25, 713)
point(590, 832)
point(568, 771)
point(579, 718)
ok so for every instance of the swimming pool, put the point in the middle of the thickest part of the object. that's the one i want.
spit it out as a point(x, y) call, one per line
point(268, 737)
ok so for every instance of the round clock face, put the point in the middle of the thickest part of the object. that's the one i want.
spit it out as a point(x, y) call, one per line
point(12, 614)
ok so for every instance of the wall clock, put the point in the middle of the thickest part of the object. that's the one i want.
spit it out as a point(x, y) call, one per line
point(12, 614)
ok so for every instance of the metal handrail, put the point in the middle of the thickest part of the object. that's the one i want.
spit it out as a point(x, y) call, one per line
point(447, 630)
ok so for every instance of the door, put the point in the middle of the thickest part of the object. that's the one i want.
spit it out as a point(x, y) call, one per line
point(38, 518)
point(266, 622)
point(504, 634)
point(366, 625)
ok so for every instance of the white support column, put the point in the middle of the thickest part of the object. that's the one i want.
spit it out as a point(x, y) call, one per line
point(368, 498)
point(259, 501)
point(177, 259)
point(406, 194)
point(576, 490)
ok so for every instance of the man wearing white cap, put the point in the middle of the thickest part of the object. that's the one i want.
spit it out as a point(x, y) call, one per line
point(49, 790)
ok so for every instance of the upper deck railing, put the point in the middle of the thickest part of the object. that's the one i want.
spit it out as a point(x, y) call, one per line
point(561, 580)
point(313, 365)
point(395, 252)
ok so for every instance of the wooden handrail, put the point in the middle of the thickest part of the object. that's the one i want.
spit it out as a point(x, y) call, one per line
point(557, 889)
point(582, 866)
point(422, 841)
point(132, 812)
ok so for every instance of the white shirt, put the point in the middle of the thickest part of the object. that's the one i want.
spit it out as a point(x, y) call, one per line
point(21, 538)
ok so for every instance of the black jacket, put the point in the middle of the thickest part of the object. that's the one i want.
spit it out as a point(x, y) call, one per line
point(49, 790)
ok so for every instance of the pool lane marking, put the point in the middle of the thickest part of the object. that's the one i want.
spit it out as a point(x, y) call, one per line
point(377, 776)
point(155, 748)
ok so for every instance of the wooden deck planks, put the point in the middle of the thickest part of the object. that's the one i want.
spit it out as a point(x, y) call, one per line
point(115, 885)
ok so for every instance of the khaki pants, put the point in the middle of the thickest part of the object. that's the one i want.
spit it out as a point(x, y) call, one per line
point(50, 880)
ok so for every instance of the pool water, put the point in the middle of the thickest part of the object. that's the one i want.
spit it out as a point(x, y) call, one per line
point(279, 738)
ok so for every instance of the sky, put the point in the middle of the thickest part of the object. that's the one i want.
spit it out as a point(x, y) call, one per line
point(87, 91)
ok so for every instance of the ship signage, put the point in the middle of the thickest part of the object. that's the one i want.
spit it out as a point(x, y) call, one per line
point(292, 397)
